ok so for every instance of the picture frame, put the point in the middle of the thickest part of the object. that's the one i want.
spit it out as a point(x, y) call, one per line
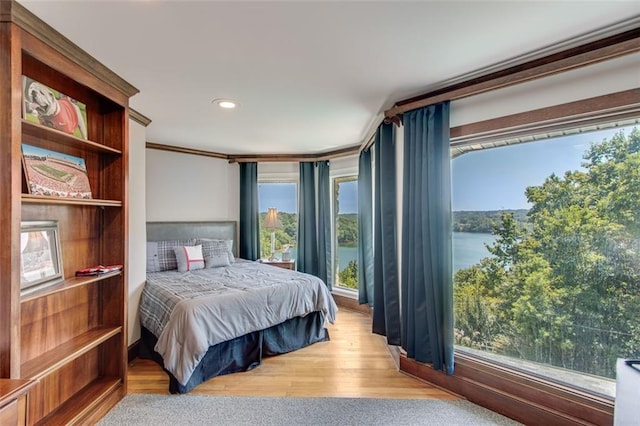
point(48, 107)
point(40, 255)
point(55, 174)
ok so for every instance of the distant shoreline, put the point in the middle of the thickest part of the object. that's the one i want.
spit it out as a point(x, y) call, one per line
point(484, 221)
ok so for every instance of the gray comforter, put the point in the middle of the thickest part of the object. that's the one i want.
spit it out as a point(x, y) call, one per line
point(190, 311)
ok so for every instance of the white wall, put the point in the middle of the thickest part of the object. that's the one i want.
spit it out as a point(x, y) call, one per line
point(136, 270)
point(191, 187)
point(278, 171)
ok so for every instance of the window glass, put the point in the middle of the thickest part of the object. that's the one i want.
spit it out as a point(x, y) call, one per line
point(345, 202)
point(546, 255)
point(283, 197)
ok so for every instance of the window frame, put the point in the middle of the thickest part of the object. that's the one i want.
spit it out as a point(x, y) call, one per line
point(527, 367)
point(518, 394)
point(344, 176)
point(271, 180)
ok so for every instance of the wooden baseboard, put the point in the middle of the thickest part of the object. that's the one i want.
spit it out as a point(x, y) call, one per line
point(133, 351)
point(350, 303)
point(524, 398)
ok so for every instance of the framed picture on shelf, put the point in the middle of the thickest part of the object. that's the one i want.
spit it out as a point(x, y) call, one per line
point(55, 174)
point(48, 107)
point(40, 256)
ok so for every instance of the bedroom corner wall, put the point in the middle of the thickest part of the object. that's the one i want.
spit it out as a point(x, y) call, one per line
point(187, 187)
point(136, 272)
point(166, 186)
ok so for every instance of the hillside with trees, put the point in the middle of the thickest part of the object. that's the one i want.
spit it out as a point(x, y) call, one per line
point(564, 290)
point(347, 228)
point(484, 221)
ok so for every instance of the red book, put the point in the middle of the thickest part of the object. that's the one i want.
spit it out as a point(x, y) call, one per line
point(97, 270)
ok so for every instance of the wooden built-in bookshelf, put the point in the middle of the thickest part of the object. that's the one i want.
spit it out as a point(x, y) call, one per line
point(69, 338)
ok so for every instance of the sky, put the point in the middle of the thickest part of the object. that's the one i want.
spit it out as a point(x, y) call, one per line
point(495, 179)
point(348, 197)
point(284, 197)
point(33, 150)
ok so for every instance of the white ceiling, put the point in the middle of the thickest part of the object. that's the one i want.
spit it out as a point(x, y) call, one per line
point(309, 76)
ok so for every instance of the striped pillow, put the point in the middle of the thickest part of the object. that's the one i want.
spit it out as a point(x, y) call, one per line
point(166, 255)
point(215, 247)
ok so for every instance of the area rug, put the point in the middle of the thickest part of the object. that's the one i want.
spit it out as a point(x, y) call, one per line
point(141, 409)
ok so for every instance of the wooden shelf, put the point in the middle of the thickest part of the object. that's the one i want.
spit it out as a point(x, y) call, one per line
point(52, 360)
point(47, 133)
point(43, 199)
point(66, 285)
point(70, 336)
point(83, 402)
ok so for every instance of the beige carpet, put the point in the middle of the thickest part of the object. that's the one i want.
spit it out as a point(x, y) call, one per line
point(141, 409)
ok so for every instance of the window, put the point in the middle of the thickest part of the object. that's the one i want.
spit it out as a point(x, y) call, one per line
point(284, 197)
point(547, 255)
point(345, 225)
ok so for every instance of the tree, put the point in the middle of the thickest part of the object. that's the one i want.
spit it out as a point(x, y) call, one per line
point(349, 275)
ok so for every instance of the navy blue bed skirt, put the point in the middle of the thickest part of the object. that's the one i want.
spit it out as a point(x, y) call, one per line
point(244, 353)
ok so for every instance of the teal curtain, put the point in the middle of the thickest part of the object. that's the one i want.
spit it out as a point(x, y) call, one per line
point(324, 224)
point(365, 229)
point(249, 244)
point(386, 289)
point(427, 273)
point(307, 235)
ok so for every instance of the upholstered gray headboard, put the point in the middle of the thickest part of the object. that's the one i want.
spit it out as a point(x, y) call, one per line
point(225, 230)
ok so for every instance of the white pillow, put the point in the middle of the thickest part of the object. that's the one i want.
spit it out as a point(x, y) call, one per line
point(189, 258)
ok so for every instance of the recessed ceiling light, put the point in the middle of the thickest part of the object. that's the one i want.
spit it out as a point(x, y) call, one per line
point(225, 103)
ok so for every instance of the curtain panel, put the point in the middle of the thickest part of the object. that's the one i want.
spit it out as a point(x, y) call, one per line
point(307, 234)
point(365, 229)
point(386, 290)
point(427, 272)
point(249, 243)
point(324, 224)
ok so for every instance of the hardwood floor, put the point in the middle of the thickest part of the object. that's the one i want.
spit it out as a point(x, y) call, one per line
point(355, 363)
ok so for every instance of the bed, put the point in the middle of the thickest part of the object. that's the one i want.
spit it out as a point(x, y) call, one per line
point(224, 318)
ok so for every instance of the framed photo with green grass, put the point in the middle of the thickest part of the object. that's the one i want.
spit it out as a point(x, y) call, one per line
point(55, 174)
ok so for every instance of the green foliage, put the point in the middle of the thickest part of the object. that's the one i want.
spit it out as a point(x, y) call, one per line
point(349, 276)
point(564, 288)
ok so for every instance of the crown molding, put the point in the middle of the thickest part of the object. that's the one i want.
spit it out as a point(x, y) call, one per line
point(139, 118)
point(13, 11)
point(181, 150)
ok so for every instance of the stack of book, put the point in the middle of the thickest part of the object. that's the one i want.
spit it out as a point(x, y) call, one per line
point(98, 270)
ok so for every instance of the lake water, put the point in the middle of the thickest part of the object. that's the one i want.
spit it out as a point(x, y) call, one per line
point(468, 249)
point(346, 255)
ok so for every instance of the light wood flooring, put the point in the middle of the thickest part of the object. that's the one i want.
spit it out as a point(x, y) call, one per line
point(354, 363)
